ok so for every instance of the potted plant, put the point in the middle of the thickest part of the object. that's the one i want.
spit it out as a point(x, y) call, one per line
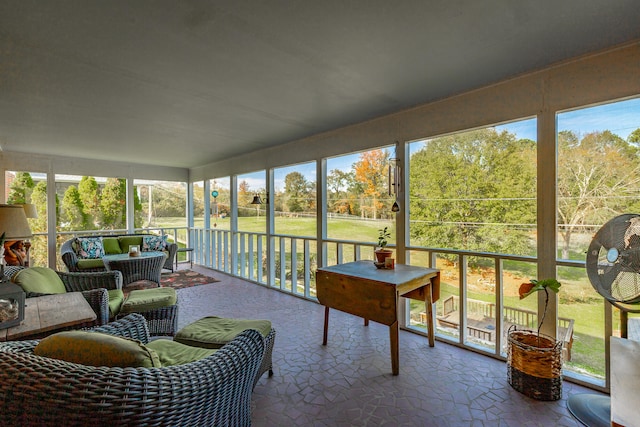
point(381, 250)
point(534, 361)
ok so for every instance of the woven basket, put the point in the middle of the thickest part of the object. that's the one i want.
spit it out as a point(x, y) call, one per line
point(534, 364)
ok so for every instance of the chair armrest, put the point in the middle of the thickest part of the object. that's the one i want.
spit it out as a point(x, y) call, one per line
point(172, 249)
point(98, 299)
point(69, 256)
point(78, 282)
point(133, 326)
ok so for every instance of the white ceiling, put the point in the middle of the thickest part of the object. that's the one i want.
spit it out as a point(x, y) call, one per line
point(186, 83)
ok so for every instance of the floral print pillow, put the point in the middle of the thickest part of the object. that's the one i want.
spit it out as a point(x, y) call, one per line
point(154, 243)
point(89, 247)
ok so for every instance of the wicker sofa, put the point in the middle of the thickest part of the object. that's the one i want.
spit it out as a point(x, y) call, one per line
point(213, 391)
point(71, 260)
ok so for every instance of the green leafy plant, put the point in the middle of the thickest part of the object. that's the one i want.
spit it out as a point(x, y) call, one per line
point(383, 235)
point(533, 286)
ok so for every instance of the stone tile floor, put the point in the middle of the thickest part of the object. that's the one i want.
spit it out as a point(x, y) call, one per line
point(349, 381)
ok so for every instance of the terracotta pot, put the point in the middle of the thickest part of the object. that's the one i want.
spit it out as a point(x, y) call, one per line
point(381, 254)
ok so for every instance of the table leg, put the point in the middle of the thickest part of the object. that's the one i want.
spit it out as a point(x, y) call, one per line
point(395, 350)
point(326, 325)
point(428, 305)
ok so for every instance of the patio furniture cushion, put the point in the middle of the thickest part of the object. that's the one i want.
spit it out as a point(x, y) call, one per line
point(116, 298)
point(84, 263)
point(173, 353)
point(111, 245)
point(89, 247)
point(39, 280)
point(154, 243)
point(126, 241)
point(141, 300)
point(214, 332)
point(97, 349)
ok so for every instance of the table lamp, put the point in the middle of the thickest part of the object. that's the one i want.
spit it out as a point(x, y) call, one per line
point(14, 225)
point(31, 212)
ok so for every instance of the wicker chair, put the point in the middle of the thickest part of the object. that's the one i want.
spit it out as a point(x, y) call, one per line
point(214, 391)
point(93, 286)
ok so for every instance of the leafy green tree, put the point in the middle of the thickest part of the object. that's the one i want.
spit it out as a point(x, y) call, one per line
point(474, 190)
point(20, 188)
point(113, 204)
point(634, 137)
point(39, 199)
point(598, 178)
point(297, 191)
point(90, 195)
point(245, 196)
point(73, 216)
point(137, 209)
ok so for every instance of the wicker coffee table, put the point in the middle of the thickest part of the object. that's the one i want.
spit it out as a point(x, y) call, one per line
point(146, 266)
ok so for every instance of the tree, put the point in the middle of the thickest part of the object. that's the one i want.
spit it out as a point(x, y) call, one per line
point(244, 198)
point(371, 172)
point(20, 188)
point(73, 216)
point(113, 204)
point(90, 195)
point(474, 190)
point(338, 195)
point(296, 191)
point(598, 175)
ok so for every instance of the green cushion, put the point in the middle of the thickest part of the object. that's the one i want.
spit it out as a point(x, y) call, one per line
point(97, 349)
point(111, 245)
point(90, 263)
point(116, 298)
point(173, 353)
point(214, 332)
point(141, 300)
point(41, 280)
point(125, 241)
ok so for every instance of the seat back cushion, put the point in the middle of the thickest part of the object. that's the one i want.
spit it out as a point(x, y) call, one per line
point(89, 247)
point(126, 241)
point(154, 243)
point(111, 245)
point(116, 298)
point(173, 353)
point(97, 349)
point(41, 280)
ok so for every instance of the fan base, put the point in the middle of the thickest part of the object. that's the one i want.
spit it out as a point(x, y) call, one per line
point(590, 409)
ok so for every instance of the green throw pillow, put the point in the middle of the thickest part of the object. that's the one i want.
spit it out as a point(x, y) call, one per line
point(116, 298)
point(111, 245)
point(41, 280)
point(173, 353)
point(97, 349)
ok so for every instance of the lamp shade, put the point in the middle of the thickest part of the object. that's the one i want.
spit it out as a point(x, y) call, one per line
point(30, 210)
point(13, 223)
